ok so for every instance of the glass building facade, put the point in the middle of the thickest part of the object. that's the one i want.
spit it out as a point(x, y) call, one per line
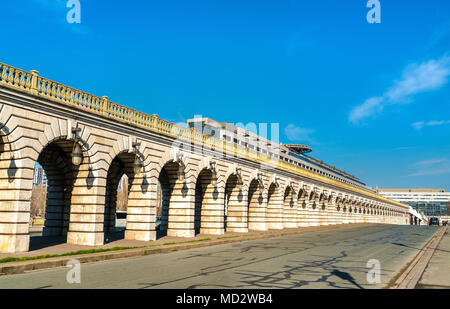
point(433, 202)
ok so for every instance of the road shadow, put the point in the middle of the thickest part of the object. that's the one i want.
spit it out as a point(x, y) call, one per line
point(347, 277)
point(118, 235)
point(41, 242)
point(406, 246)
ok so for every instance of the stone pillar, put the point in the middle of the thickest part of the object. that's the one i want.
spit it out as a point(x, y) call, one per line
point(275, 210)
point(212, 214)
point(339, 213)
point(257, 217)
point(351, 213)
point(238, 215)
point(345, 213)
point(141, 209)
point(302, 216)
point(314, 215)
point(16, 182)
point(290, 210)
point(332, 212)
point(87, 209)
point(357, 213)
point(181, 210)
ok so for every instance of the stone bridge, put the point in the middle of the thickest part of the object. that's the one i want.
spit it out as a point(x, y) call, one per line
point(87, 143)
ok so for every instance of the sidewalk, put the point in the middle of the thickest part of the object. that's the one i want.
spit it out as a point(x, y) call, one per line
point(162, 245)
point(437, 273)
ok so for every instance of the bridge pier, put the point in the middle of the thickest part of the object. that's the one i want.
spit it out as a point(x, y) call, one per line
point(257, 212)
point(16, 182)
point(239, 215)
point(289, 208)
point(182, 212)
point(275, 208)
point(141, 209)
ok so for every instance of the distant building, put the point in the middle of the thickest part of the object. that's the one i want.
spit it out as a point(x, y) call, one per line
point(433, 202)
point(39, 176)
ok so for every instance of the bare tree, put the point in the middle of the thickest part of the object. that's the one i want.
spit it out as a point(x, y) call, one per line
point(38, 201)
point(122, 194)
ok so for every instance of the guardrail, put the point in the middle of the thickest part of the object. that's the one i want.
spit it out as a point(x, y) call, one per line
point(34, 84)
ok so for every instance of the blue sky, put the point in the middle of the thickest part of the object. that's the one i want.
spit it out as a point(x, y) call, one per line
point(373, 99)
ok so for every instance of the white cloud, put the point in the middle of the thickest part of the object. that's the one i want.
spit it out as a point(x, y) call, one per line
point(431, 167)
point(429, 162)
point(418, 125)
point(433, 123)
point(405, 148)
point(294, 133)
point(432, 172)
point(417, 78)
point(370, 107)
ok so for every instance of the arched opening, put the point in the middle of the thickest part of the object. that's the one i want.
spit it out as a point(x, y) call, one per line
point(256, 207)
point(274, 207)
point(120, 178)
point(237, 215)
point(53, 182)
point(209, 210)
point(176, 216)
point(289, 209)
point(167, 179)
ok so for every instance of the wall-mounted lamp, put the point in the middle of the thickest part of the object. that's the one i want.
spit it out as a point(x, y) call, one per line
point(214, 173)
point(138, 164)
point(77, 153)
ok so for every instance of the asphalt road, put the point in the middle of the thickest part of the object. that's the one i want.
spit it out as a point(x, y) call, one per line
point(328, 259)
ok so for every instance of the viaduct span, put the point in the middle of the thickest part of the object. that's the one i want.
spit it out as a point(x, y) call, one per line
point(87, 143)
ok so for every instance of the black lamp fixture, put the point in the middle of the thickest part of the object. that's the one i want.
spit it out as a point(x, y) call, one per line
point(214, 173)
point(138, 164)
point(77, 153)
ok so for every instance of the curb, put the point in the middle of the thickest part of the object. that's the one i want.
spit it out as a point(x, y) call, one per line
point(13, 268)
point(409, 278)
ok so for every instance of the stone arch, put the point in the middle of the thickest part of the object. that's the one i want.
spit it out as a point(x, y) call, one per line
point(171, 176)
point(174, 193)
point(138, 189)
point(61, 174)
